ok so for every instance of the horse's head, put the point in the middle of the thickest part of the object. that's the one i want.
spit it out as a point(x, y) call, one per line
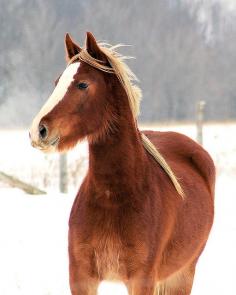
point(94, 97)
point(80, 105)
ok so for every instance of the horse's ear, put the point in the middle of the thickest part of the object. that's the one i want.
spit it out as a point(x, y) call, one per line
point(71, 47)
point(93, 48)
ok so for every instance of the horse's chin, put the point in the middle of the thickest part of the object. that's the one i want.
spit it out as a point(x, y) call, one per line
point(50, 150)
point(66, 145)
point(47, 149)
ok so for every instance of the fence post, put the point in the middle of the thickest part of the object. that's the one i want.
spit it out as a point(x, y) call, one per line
point(200, 117)
point(63, 173)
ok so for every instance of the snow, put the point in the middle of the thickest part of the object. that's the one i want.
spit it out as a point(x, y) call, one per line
point(33, 229)
point(35, 167)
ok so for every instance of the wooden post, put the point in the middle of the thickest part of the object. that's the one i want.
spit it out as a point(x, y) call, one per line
point(63, 173)
point(200, 117)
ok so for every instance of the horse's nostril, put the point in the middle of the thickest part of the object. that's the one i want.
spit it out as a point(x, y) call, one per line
point(43, 132)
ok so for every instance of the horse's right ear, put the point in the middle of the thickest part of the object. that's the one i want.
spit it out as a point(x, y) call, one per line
point(71, 47)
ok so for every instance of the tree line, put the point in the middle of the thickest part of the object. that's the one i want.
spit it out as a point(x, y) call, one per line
point(181, 57)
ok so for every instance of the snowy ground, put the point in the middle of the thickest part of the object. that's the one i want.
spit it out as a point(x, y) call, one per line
point(33, 229)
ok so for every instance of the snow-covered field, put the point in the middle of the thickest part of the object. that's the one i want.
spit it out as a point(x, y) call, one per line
point(33, 229)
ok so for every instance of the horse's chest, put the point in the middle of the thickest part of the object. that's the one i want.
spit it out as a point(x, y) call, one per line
point(109, 259)
point(108, 243)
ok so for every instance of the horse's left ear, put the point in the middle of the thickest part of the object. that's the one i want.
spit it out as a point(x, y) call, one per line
point(93, 48)
point(71, 47)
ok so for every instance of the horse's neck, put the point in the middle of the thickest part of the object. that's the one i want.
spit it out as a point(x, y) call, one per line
point(117, 162)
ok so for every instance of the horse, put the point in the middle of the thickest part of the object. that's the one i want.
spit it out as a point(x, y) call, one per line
point(143, 213)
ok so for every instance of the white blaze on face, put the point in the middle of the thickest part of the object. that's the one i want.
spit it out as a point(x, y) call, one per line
point(58, 94)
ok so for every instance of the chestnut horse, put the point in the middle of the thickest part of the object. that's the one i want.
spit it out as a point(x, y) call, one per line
point(135, 219)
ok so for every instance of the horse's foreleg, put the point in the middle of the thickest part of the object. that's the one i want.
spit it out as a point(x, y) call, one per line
point(83, 276)
point(81, 283)
point(179, 283)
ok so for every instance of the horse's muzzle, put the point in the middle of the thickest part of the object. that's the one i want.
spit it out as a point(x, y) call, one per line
point(42, 140)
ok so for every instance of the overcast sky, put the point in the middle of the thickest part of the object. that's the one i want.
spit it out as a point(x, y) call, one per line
point(230, 4)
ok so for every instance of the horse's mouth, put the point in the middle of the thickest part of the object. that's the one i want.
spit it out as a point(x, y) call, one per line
point(55, 141)
point(47, 146)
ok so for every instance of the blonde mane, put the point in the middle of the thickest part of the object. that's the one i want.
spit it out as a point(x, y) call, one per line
point(127, 79)
point(118, 67)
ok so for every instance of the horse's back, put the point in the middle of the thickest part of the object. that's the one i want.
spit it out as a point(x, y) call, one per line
point(184, 155)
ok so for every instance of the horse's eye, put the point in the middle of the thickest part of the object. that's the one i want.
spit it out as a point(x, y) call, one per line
point(82, 85)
